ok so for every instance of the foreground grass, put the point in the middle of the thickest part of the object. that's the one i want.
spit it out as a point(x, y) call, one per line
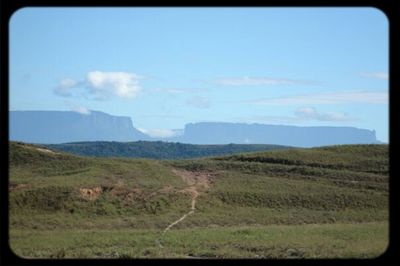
point(363, 240)
point(310, 203)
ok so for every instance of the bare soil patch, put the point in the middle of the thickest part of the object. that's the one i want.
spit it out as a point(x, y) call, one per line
point(44, 150)
point(90, 193)
point(199, 179)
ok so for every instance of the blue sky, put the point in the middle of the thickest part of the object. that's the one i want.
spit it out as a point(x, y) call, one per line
point(165, 67)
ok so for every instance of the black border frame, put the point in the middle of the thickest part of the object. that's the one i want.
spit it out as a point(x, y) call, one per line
point(391, 255)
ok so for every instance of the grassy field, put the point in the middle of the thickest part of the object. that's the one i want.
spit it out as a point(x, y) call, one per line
point(274, 241)
point(329, 202)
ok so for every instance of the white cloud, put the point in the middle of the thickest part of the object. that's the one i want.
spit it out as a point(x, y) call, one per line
point(377, 75)
point(345, 97)
point(77, 108)
point(65, 87)
point(199, 102)
point(159, 133)
point(309, 113)
point(100, 85)
point(257, 81)
point(121, 84)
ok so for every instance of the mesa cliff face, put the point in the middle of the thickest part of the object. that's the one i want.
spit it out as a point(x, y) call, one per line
point(240, 133)
point(67, 126)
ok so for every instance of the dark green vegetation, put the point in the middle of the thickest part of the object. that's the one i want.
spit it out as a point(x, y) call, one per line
point(156, 149)
point(329, 202)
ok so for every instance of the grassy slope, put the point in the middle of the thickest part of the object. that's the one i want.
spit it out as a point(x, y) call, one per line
point(324, 202)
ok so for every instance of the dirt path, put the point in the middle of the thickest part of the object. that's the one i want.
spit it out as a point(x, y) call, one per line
point(197, 182)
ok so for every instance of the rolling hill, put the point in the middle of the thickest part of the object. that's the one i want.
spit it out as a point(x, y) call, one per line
point(328, 202)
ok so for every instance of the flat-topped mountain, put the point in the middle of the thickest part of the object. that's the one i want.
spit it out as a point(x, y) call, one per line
point(240, 133)
point(68, 126)
point(53, 127)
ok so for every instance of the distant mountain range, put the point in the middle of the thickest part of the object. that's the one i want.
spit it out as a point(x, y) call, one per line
point(52, 127)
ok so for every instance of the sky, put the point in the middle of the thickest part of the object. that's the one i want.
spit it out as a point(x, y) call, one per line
point(166, 67)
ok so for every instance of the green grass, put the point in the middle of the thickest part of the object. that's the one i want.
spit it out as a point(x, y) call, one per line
point(362, 158)
point(366, 240)
point(324, 202)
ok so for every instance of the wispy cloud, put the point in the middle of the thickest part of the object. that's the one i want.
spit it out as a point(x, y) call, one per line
point(175, 90)
point(160, 133)
point(100, 85)
point(301, 115)
point(163, 116)
point(376, 75)
point(267, 119)
point(77, 108)
point(65, 87)
point(310, 113)
point(258, 81)
point(199, 102)
point(345, 97)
